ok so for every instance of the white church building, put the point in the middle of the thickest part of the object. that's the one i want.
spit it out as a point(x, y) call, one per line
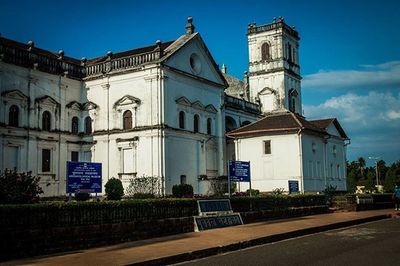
point(161, 110)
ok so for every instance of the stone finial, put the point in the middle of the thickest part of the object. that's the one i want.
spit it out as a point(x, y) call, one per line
point(274, 20)
point(159, 48)
point(109, 53)
point(31, 44)
point(189, 26)
point(224, 69)
point(83, 61)
point(61, 54)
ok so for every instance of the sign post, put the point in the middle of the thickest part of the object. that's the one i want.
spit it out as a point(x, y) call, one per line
point(293, 186)
point(83, 177)
point(238, 171)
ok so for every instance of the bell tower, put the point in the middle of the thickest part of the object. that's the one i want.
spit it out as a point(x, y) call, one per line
point(274, 69)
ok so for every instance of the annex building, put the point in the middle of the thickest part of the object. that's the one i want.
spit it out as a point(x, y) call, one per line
point(163, 111)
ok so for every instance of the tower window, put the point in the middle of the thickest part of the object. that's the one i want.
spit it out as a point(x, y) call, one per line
point(13, 116)
point(267, 147)
point(127, 123)
point(196, 122)
point(265, 55)
point(290, 57)
point(46, 121)
point(182, 119)
point(46, 156)
point(88, 125)
point(75, 125)
point(209, 126)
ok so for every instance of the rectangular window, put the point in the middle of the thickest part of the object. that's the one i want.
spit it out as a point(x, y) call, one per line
point(128, 161)
point(183, 179)
point(74, 156)
point(46, 156)
point(267, 147)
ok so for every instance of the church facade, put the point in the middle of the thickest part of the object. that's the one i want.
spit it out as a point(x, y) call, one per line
point(160, 111)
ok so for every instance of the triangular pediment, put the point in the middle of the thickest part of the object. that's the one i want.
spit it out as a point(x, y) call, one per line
point(127, 100)
point(210, 108)
point(266, 91)
point(183, 101)
point(15, 94)
point(198, 105)
point(89, 106)
point(47, 100)
point(74, 105)
point(192, 57)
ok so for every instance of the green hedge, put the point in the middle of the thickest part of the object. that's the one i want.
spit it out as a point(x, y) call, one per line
point(273, 202)
point(54, 214)
point(86, 213)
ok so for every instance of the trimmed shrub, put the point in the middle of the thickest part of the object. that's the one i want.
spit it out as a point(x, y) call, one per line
point(19, 188)
point(114, 189)
point(182, 190)
point(254, 192)
point(82, 196)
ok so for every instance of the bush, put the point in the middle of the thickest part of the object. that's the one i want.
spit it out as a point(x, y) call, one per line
point(114, 189)
point(329, 193)
point(143, 196)
point(182, 190)
point(254, 192)
point(19, 188)
point(82, 196)
point(145, 185)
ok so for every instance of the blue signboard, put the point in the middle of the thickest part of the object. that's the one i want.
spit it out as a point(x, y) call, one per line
point(239, 171)
point(293, 186)
point(83, 177)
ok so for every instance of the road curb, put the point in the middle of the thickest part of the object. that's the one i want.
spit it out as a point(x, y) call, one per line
point(257, 241)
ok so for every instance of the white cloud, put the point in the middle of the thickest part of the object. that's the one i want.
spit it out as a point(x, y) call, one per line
point(371, 121)
point(368, 76)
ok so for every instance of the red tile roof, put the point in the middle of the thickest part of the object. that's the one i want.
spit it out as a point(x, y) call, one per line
point(283, 122)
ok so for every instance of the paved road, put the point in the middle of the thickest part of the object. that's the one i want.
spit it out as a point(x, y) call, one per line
point(376, 243)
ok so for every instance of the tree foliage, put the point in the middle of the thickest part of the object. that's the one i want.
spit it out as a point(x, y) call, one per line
point(19, 188)
point(358, 174)
point(114, 189)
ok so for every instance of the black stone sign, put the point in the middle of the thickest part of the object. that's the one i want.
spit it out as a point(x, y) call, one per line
point(210, 222)
point(212, 206)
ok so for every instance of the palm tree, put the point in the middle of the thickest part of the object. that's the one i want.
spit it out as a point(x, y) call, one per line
point(361, 165)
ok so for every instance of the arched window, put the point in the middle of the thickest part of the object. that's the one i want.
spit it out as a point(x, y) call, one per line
point(127, 122)
point(290, 58)
point(88, 125)
point(46, 121)
point(196, 122)
point(13, 116)
point(75, 125)
point(265, 55)
point(209, 128)
point(182, 119)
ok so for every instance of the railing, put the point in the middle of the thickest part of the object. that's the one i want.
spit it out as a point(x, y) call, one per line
point(127, 62)
point(240, 104)
point(275, 25)
point(31, 59)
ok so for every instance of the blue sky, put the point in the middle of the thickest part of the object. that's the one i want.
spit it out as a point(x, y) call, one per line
point(349, 50)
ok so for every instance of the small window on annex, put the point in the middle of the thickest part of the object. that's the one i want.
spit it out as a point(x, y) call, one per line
point(127, 122)
point(183, 179)
point(209, 126)
point(46, 159)
point(74, 156)
point(182, 119)
point(75, 125)
point(196, 122)
point(13, 116)
point(46, 121)
point(265, 55)
point(88, 125)
point(267, 146)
